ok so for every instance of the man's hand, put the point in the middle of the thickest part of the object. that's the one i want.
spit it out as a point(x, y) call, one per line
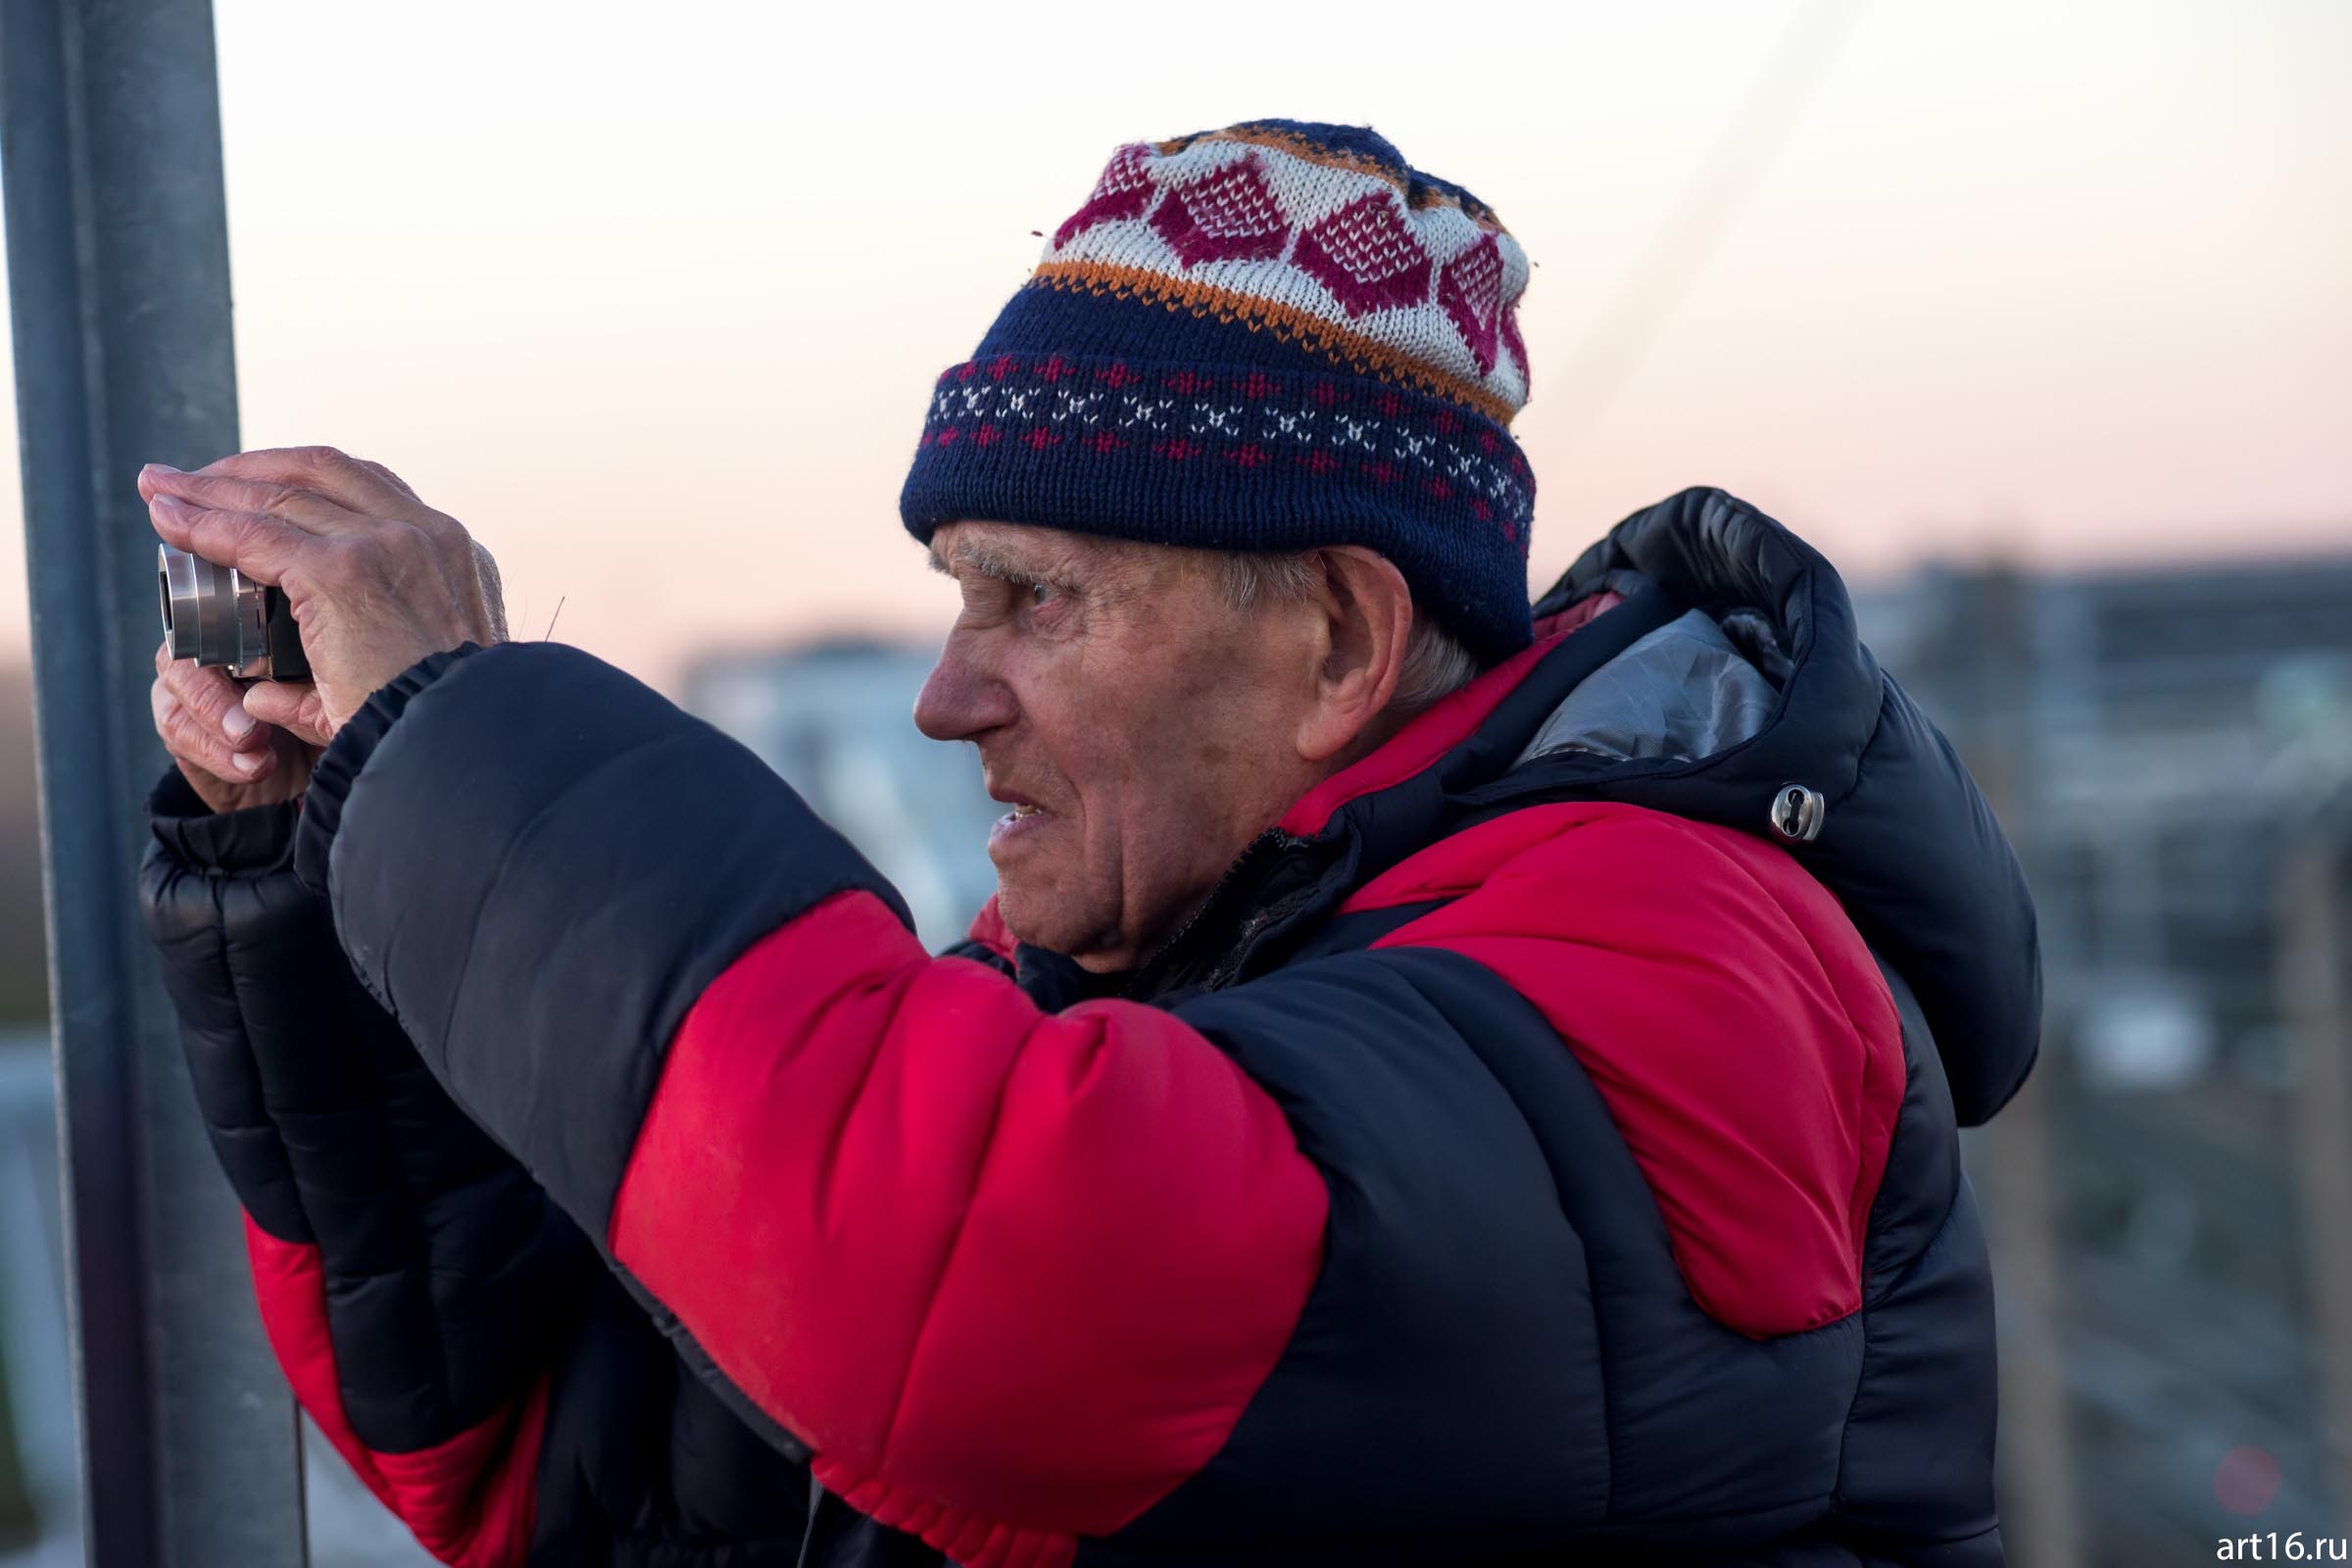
point(230, 758)
point(376, 579)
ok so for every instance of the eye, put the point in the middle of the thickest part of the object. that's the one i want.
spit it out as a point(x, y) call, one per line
point(1042, 594)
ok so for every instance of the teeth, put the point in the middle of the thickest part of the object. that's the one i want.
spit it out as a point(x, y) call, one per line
point(1024, 811)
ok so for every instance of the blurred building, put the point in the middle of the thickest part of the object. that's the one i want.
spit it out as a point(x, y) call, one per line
point(835, 719)
point(2172, 752)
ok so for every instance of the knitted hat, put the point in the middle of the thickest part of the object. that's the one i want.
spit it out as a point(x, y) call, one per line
point(1275, 336)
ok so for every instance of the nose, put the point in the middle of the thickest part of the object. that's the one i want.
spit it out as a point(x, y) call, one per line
point(962, 699)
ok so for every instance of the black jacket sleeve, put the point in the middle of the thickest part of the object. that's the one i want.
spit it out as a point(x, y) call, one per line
point(484, 1376)
point(447, 1273)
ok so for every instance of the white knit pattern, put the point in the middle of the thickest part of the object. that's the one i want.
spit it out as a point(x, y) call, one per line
point(1240, 224)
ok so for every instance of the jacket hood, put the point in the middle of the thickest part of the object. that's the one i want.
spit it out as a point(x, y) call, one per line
point(1762, 683)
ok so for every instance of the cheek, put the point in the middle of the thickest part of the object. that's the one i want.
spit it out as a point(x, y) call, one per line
point(1159, 737)
point(1106, 754)
point(1072, 741)
point(1193, 751)
point(1108, 741)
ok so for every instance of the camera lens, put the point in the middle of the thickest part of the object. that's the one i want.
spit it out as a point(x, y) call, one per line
point(212, 615)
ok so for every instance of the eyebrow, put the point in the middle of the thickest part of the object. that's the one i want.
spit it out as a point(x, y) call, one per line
point(986, 562)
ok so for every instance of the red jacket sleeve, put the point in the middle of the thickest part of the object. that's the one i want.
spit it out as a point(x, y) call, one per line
point(1012, 1276)
point(468, 1498)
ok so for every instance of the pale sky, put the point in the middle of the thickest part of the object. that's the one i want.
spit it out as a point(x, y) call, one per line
point(651, 298)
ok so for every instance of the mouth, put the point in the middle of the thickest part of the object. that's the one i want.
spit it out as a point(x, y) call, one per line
point(1025, 816)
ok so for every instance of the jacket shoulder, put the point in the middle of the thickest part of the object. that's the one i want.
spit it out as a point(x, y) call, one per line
point(1726, 1008)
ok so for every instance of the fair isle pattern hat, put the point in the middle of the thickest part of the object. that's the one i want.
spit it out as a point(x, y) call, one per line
point(1275, 336)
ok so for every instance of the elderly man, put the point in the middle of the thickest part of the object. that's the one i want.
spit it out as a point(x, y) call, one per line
point(1441, 1082)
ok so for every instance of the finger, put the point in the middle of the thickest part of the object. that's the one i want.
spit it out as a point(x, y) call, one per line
point(363, 487)
point(192, 741)
point(494, 591)
point(358, 487)
point(306, 510)
point(293, 705)
point(263, 548)
point(208, 692)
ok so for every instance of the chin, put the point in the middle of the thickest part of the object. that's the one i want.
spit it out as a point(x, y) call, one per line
point(1041, 918)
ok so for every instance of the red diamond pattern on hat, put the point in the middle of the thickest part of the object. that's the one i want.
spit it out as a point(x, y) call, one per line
point(1123, 191)
point(1516, 347)
point(1470, 288)
point(1366, 255)
point(1229, 216)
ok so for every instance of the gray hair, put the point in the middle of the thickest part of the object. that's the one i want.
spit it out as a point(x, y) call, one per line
point(1436, 665)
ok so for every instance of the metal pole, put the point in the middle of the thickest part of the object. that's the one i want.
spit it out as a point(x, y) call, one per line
point(118, 262)
point(2037, 1439)
point(2313, 954)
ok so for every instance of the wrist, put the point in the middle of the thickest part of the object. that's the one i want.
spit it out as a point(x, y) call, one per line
point(242, 841)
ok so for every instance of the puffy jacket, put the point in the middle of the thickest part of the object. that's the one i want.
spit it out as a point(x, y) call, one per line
point(1541, 1141)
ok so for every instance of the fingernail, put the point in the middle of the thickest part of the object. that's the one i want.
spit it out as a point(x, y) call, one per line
point(249, 763)
point(160, 467)
point(236, 723)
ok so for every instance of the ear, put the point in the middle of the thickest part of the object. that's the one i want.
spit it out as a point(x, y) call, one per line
point(1367, 616)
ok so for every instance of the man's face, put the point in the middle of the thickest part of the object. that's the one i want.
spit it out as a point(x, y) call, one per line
point(1142, 730)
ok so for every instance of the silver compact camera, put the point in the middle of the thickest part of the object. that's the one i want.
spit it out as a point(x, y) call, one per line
point(217, 616)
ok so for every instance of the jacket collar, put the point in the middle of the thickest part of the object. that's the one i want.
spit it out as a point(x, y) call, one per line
point(1366, 817)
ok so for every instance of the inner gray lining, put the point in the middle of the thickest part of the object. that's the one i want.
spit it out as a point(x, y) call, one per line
point(1682, 692)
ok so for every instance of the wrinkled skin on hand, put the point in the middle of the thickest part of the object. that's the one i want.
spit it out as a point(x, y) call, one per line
point(375, 578)
point(228, 757)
